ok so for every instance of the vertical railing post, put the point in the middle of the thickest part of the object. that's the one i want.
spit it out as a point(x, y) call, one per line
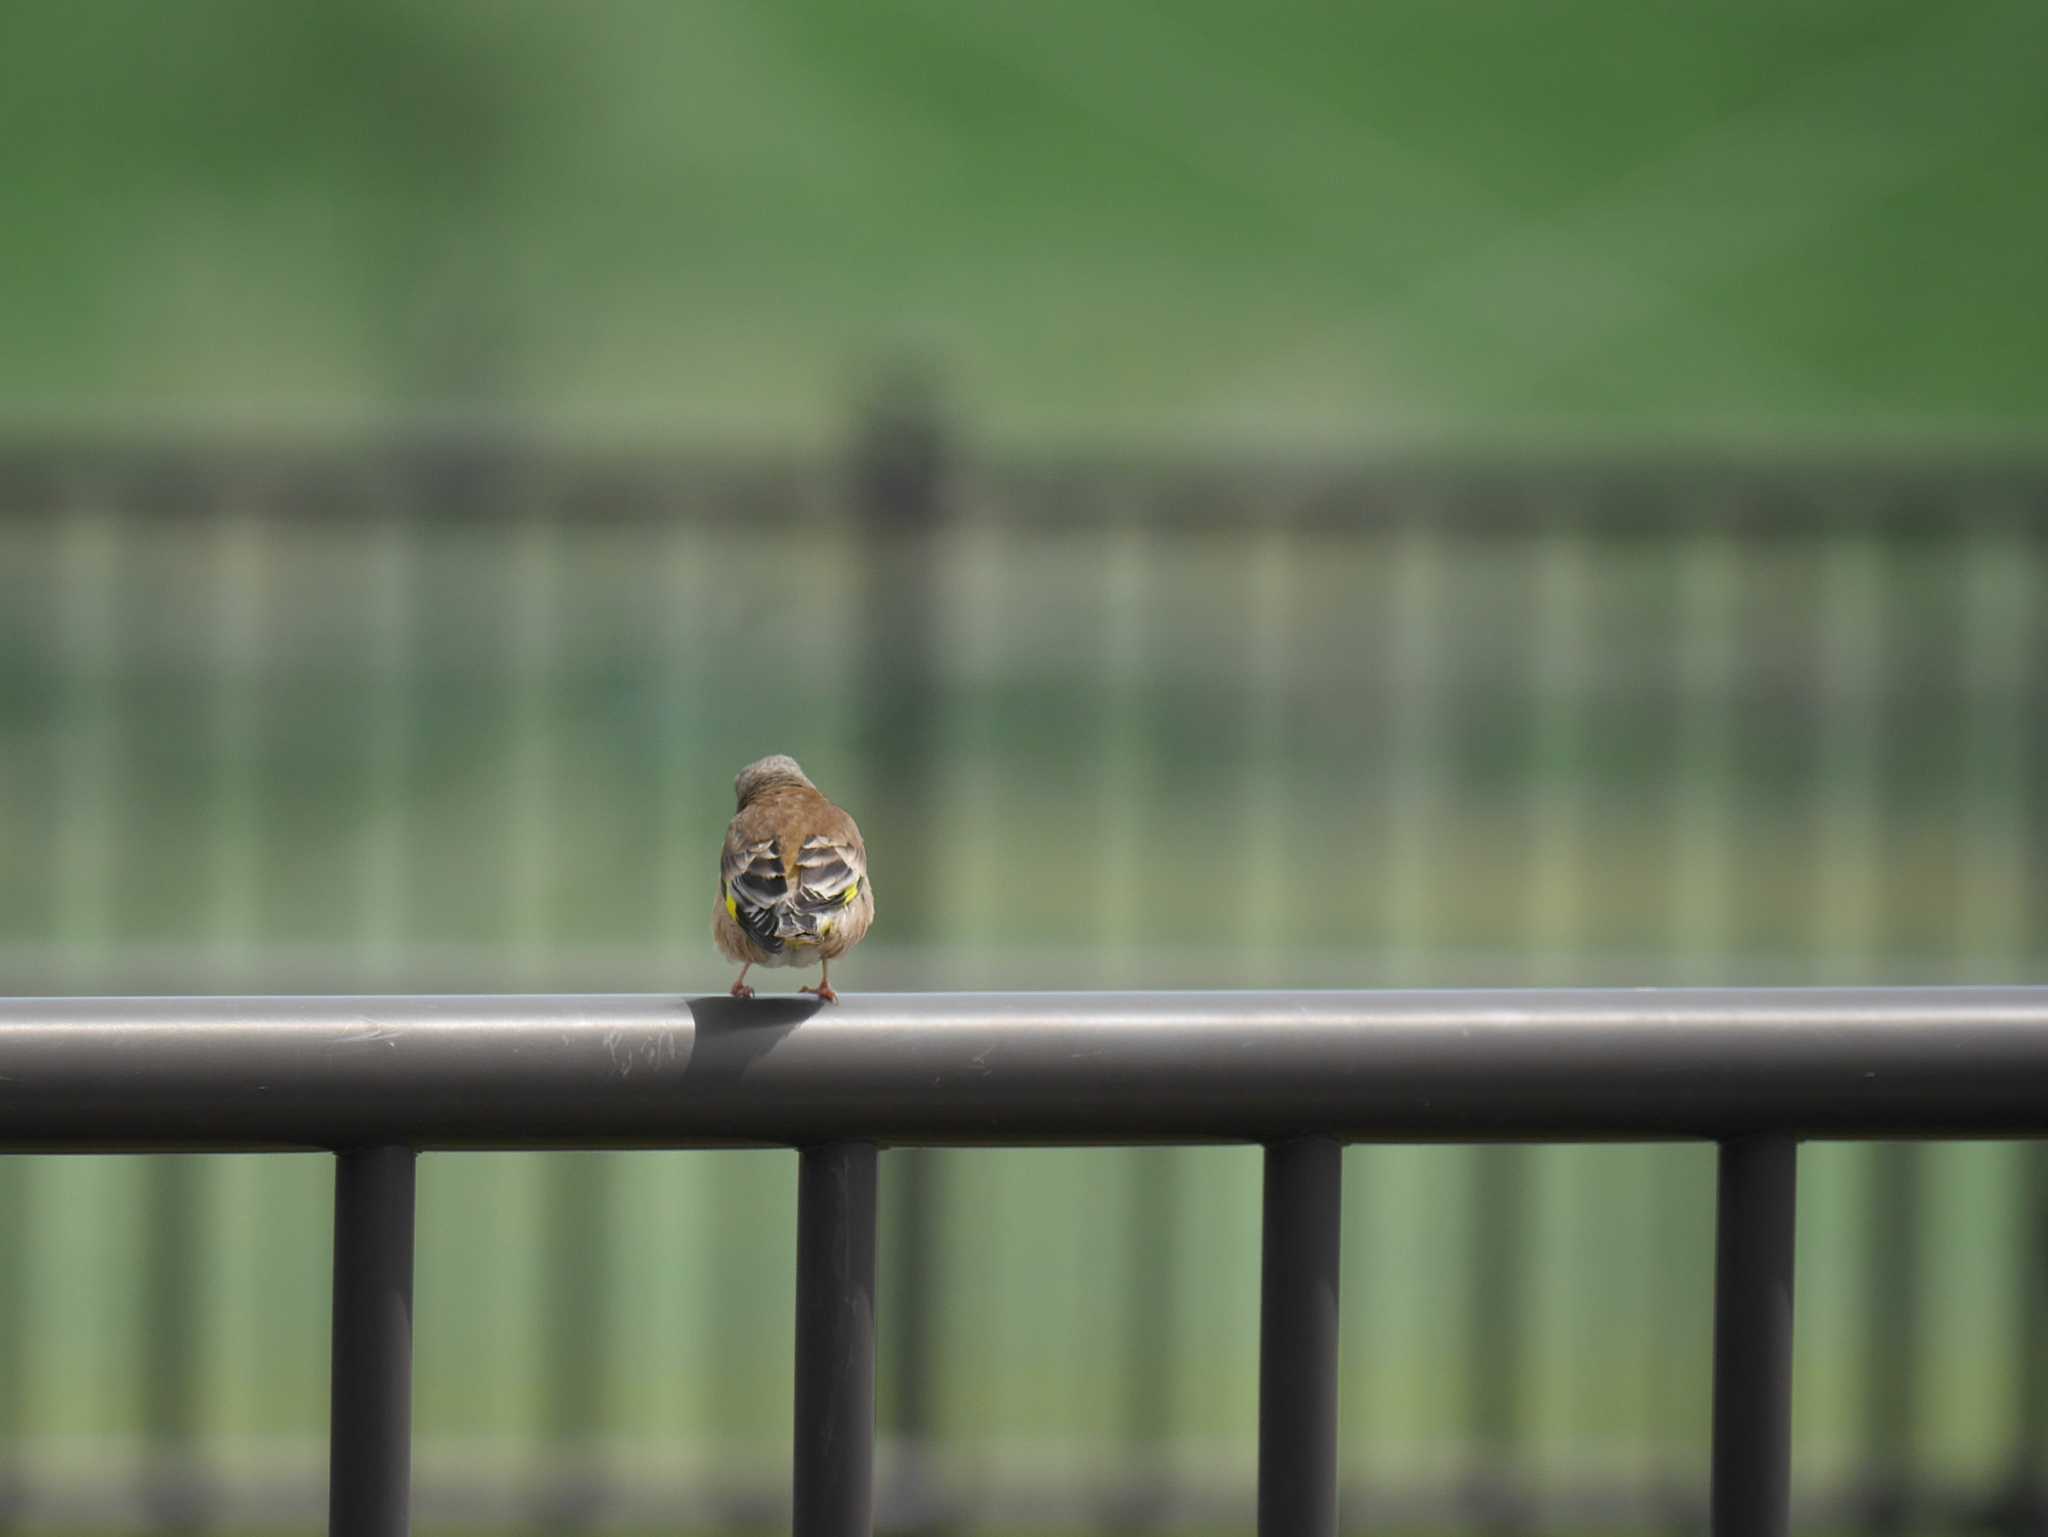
point(835, 1341)
point(1752, 1469)
point(369, 1472)
point(1298, 1339)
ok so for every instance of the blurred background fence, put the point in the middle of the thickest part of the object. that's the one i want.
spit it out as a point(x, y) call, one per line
point(460, 710)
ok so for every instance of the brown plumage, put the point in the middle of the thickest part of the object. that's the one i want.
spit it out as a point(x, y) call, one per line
point(793, 882)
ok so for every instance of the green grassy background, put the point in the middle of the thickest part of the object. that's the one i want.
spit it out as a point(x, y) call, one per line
point(1167, 221)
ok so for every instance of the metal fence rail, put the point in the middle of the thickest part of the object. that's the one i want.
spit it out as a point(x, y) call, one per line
point(379, 1079)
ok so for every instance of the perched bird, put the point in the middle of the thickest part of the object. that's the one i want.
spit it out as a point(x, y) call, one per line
point(793, 883)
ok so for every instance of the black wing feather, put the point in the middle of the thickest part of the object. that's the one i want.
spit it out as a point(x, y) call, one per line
point(758, 889)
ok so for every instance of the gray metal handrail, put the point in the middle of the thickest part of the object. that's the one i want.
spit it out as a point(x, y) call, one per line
point(142, 1074)
point(379, 1079)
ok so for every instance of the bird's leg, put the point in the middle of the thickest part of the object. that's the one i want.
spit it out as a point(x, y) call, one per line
point(824, 987)
point(739, 986)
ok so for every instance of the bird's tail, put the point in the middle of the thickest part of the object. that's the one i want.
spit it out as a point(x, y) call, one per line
point(794, 927)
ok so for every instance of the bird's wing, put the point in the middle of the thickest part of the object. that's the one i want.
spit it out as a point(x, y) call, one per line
point(754, 885)
point(831, 867)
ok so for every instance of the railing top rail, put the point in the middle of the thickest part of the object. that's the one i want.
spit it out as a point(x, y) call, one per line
point(1758, 490)
point(80, 1074)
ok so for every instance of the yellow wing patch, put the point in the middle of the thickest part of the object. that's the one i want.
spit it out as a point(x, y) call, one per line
point(732, 905)
point(851, 892)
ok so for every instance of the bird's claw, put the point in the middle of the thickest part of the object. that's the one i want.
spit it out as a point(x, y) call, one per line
point(824, 992)
point(741, 990)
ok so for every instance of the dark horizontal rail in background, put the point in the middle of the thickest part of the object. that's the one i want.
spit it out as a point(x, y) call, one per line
point(378, 1078)
point(191, 1074)
point(1759, 492)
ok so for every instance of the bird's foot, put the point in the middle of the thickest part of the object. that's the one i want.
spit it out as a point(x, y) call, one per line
point(823, 991)
point(741, 990)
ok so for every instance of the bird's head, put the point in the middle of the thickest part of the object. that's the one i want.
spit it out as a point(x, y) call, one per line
point(767, 774)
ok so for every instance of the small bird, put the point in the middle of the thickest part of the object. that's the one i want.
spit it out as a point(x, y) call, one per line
point(793, 883)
